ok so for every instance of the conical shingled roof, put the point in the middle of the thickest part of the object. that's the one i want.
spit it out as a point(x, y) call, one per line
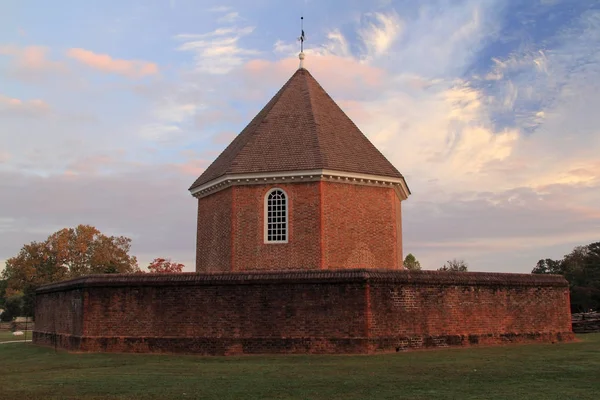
point(300, 129)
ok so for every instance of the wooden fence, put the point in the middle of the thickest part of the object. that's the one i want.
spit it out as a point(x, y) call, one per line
point(586, 322)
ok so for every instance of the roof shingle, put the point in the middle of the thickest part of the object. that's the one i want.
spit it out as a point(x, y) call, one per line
point(300, 128)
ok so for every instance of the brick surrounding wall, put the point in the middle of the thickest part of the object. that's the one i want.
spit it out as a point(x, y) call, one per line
point(361, 227)
point(495, 312)
point(345, 311)
point(331, 226)
point(59, 315)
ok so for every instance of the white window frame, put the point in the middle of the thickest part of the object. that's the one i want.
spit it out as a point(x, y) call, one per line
point(266, 217)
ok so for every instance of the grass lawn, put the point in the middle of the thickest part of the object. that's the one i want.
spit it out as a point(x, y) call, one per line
point(559, 371)
point(7, 336)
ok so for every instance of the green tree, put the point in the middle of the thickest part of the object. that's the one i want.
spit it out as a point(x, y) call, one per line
point(13, 307)
point(454, 265)
point(68, 253)
point(165, 266)
point(411, 263)
point(581, 268)
point(548, 266)
point(3, 285)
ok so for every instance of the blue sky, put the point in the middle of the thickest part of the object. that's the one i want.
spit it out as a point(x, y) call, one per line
point(109, 111)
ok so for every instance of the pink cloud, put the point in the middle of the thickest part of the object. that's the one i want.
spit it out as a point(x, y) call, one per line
point(355, 109)
point(105, 63)
point(341, 74)
point(35, 106)
point(32, 58)
point(223, 137)
point(90, 165)
point(195, 162)
point(4, 157)
point(192, 167)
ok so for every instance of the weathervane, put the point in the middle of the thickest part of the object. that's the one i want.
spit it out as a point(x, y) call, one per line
point(301, 39)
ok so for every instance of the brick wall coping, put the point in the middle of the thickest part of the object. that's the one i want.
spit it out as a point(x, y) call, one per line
point(304, 276)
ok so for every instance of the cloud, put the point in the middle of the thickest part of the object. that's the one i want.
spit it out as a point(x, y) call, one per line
point(14, 107)
point(339, 75)
point(194, 163)
point(491, 118)
point(286, 48)
point(4, 156)
point(481, 185)
point(380, 32)
point(105, 63)
point(336, 45)
point(177, 112)
point(219, 9)
point(160, 132)
point(158, 191)
point(170, 117)
point(31, 62)
point(516, 223)
point(229, 18)
point(217, 52)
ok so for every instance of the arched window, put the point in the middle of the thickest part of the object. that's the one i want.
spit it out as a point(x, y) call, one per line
point(276, 217)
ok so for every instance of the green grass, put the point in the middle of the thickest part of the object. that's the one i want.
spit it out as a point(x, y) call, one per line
point(559, 371)
point(7, 336)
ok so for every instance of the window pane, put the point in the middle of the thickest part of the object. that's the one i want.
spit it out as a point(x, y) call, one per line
point(276, 218)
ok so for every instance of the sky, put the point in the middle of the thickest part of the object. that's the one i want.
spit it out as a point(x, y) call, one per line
point(109, 110)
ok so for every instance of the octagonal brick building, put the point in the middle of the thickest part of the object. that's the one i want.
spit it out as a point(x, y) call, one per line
point(301, 187)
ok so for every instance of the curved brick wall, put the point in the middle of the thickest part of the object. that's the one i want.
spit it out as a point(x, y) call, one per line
point(345, 311)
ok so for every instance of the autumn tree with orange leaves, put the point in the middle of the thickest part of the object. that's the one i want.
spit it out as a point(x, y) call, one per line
point(68, 253)
point(165, 266)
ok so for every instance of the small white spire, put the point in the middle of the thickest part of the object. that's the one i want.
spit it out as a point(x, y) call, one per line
point(301, 57)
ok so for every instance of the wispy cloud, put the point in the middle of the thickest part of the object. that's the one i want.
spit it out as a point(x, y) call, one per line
point(229, 18)
point(219, 51)
point(380, 32)
point(106, 63)
point(219, 9)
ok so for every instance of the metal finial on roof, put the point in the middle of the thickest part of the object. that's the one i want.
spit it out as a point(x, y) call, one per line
point(301, 39)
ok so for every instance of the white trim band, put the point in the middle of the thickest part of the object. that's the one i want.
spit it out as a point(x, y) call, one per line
point(295, 176)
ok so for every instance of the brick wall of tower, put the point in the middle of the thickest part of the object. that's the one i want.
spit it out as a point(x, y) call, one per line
point(331, 226)
point(399, 244)
point(250, 252)
point(213, 240)
point(362, 227)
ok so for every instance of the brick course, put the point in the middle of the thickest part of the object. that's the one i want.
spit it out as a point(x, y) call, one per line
point(344, 311)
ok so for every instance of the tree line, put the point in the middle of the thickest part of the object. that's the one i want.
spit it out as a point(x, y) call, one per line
point(581, 267)
point(65, 254)
point(455, 265)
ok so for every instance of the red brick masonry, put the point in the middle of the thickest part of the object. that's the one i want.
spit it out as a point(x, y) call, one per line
point(331, 226)
point(344, 311)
